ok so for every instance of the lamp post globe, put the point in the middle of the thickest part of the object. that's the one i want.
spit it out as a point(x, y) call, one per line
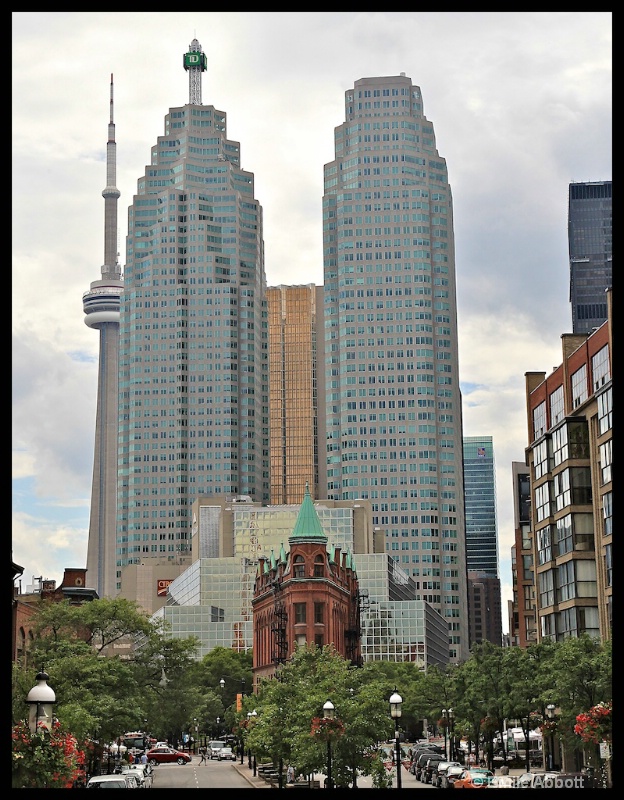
point(395, 712)
point(329, 710)
point(41, 698)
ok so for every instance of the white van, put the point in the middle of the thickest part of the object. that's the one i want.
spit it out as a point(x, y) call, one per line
point(214, 746)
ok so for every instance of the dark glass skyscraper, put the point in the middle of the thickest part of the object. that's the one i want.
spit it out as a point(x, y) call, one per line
point(393, 401)
point(193, 400)
point(590, 244)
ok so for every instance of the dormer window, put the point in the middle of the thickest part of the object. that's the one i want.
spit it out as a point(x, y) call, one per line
point(299, 567)
point(319, 567)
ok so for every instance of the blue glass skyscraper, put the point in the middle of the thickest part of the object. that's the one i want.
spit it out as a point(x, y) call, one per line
point(393, 401)
point(193, 400)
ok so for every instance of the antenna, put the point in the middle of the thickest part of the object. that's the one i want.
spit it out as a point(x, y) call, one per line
point(195, 63)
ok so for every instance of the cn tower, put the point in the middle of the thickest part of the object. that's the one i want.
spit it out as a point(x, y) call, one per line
point(101, 306)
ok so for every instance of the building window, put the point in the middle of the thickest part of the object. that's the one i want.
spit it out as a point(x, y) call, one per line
point(605, 461)
point(543, 501)
point(574, 532)
point(542, 458)
point(572, 487)
point(319, 567)
point(605, 411)
point(300, 613)
point(318, 640)
point(539, 420)
point(609, 565)
point(571, 440)
point(601, 372)
point(607, 510)
point(556, 406)
point(546, 589)
point(299, 567)
point(319, 609)
point(575, 621)
point(544, 545)
point(579, 386)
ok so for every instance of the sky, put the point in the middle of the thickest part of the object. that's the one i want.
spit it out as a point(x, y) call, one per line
point(521, 105)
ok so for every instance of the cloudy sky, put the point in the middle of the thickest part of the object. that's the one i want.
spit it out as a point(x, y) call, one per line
point(521, 104)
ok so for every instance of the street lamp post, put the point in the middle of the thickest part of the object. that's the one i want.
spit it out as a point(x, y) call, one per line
point(445, 718)
point(550, 712)
point(395, 712)
point(451, 716)
point(328, 713)
point(41, 698)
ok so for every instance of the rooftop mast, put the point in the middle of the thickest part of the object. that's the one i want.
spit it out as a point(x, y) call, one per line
point(195, 63)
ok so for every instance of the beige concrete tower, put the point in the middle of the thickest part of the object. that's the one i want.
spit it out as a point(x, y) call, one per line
point(101, 307)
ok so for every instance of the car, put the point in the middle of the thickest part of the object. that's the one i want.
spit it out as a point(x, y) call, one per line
point(474, 779)
point(226, 754)
point(418, 749)
point(167, 755)
point(142, 773)
point(214, 746)
point(421, 763)
point(426, 775)
point(439, 768)
point(107, 782)
point(449, 776)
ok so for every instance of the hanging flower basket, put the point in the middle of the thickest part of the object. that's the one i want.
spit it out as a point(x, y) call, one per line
point(595, 725)
point(326, 728)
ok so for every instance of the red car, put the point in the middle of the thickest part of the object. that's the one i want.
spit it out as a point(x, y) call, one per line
point(474, 779)
point(167, 755)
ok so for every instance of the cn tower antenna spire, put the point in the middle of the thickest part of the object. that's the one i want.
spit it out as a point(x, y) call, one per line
point(111, 268)
point(195, 63)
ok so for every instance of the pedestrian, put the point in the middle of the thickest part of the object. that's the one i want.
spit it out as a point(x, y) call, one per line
point(202, 752)
point(290, 774)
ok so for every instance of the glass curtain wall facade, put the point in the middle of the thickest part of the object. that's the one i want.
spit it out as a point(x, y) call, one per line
point(293, 314)
point(393, 401)
point(590, 244)
point(480, 503)
point(193, 395)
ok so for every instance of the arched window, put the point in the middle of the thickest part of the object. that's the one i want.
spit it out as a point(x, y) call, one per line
point(299, 567)
point(319, 566)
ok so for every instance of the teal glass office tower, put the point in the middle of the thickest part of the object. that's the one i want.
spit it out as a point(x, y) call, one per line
point(480, 498)
point(393, 401)
point(193, 408)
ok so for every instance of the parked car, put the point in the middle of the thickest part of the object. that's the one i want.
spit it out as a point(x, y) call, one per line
point(474, 779)
point(448, 778)
point(140, 771)
point(421, 763)
point(226, 754)
point(426, 776)
point(439, 768)
point(167, 755)
point(215, 746)
point(418, 751)
point(107, 782)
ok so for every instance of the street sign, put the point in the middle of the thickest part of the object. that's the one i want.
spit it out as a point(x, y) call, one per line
point(605, 750)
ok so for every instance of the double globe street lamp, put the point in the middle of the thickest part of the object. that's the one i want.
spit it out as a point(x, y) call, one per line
point(395, 712)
